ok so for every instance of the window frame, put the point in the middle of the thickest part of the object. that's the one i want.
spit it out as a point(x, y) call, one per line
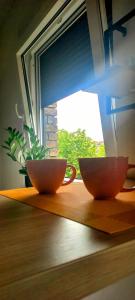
point(27, 61)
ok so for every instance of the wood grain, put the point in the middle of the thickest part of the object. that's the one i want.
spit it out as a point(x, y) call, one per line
point(43, 256)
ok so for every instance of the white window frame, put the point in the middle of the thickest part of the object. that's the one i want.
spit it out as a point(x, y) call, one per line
point(27, 53)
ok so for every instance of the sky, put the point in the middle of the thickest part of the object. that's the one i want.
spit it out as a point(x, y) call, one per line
point(80, 110)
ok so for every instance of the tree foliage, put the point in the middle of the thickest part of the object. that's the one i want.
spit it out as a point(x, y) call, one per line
point(73, 145)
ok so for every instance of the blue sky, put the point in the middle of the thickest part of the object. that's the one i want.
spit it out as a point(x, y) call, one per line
point(80, 110)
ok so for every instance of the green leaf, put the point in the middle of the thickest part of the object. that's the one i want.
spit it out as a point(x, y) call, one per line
point(5, 147)
point(9, 129)
point(18, 146)
point(29, 157)
point(23, 171)
point(7, 142)
point(26, 127)
point(12, 156)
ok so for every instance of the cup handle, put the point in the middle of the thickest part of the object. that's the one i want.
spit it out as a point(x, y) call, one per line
point(73, 175)
point(130, 166)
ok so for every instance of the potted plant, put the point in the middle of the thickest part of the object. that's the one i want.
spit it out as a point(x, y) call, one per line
point(22, 146)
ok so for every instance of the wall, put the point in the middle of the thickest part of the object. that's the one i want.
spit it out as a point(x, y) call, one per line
point(50, 129)
point(124, 49)
point(124, 54)
point(21, 21)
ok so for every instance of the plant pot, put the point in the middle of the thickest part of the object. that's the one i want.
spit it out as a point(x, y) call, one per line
point(27, 181)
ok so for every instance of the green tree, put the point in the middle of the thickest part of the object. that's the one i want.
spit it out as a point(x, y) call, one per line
point(100, 150)
point(73, 145)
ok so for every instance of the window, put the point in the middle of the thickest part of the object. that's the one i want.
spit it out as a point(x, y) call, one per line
point(79, 130)
point(66, 66)
point(29, 57)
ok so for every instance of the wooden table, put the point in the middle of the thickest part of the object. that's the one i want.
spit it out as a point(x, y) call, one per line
point(43, 256)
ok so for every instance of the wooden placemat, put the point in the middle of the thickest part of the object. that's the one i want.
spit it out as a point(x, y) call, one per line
point(75, 203)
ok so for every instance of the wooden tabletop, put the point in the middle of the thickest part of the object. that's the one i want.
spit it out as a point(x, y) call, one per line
point(43, 256)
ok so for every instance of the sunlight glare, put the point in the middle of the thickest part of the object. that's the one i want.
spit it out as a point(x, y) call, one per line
point(80, 110)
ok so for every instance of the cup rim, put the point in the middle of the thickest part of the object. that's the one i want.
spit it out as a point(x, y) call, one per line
point(104, 158)
point(46, 159)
